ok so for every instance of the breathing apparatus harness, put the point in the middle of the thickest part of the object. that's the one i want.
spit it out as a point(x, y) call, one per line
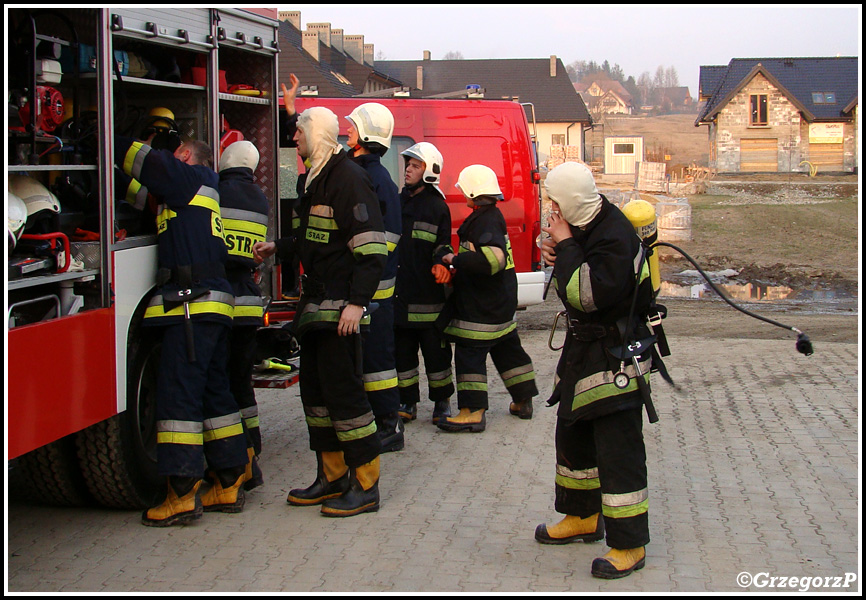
point(632, 348)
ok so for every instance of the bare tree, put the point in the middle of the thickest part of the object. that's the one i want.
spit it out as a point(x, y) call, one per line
point(671, 78)
point(453, 55)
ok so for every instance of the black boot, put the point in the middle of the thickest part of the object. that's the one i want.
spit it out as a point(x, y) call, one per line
point(362, 496)
point(408, 412)
point(332, 480)
point(390, 431)
point(441, 409)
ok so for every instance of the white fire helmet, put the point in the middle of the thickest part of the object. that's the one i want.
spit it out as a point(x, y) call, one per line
point(16, 218)
point(239, 154)
point(477, 181)
point(374, 123)
point(428, 154)
point(36, 197)
point(572, 186)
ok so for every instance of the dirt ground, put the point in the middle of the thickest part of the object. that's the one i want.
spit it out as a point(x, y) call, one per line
point(776, 229)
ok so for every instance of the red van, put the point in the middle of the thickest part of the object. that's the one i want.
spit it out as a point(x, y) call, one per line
point(489, 132)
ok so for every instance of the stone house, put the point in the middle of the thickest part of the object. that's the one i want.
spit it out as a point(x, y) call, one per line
point(781, 114)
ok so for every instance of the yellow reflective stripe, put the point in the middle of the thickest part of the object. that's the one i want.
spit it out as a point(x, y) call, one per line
point(251, 422)
point(519, 379)
point(492, 257)
point(134, 159)
point(578, 484)
point(319, 421)
point(195, 308)
point(162, 219)
point(205, 202)
point(408, 382)
point(249, 227)
point(179, 437)
point(222, 433)
point(322, 223)
point(423, 235)
point(590, 392)
point(471, 386)
point(356, 434)
point(486, 334)
point(385, 384)
point(248, 311)
point(386, 293)
point(371, 248)
point(572, 290)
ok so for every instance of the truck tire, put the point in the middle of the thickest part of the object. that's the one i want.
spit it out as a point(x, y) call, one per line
point(49, 475)
point(118, 455)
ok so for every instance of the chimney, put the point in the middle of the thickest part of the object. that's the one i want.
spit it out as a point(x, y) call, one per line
point(337, 39)
point(426, 57)
point(553, 65)
point(353, 45)
point(369, 57)
point(324, 31)
point(419, 77)
point(292, 16)
point(310, 43)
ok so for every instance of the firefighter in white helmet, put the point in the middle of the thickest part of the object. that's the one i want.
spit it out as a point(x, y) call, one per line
point(370, 130)
point(341, 242)
point(601, 482)
point(421, 280)
point(245, 212)
point(479, 314)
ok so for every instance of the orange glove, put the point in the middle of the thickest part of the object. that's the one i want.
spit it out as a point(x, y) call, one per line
point(441, 274)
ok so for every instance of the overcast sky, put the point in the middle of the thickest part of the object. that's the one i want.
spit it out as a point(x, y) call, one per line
point(637, 37)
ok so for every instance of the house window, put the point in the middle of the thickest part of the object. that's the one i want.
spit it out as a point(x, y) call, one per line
point(824, 97)
point(557, 139)
point(623, 149)
point(758, 113)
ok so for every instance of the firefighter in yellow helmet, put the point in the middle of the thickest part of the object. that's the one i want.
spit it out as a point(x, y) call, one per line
point(479, 315)
point(601, 480)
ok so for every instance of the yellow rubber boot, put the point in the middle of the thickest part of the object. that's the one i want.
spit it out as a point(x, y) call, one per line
point(362, 495)
point(224, 499)
point(174, 510)
point(332, 481)
point(466, 420)
point(619, 563)
point(572, 529)
point(252, 474)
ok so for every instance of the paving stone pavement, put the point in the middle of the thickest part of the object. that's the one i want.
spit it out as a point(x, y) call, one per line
point(753, 474)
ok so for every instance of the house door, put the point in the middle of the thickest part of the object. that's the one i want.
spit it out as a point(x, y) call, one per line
point(827, 157)
point(759, 155)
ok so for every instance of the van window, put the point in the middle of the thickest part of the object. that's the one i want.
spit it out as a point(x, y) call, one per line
point(392, 159)
point(492, 151)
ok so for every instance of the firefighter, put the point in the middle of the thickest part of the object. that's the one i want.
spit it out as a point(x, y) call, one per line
point(245, 213)
point(341, 242)
point(197, 416)
point(420, 284)
point(370, 130)
point(479, 314)
point(601, 481)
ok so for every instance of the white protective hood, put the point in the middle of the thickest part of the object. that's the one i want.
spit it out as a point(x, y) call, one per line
point(320, 127)
point(572, 186)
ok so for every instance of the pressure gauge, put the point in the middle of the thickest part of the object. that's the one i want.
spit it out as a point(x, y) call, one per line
point(621, 380)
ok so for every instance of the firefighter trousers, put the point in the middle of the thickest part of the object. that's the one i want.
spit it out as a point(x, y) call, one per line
point(197, 416)
point(242, 350)
point(338, 415)
point(437, 364)
point(511, 361)
point(601, 467)
point(380, 371)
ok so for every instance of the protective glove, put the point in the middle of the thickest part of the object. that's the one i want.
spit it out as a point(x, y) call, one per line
point(441, 274)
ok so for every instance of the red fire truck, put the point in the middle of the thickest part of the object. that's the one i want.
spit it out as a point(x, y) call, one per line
point(80, 369)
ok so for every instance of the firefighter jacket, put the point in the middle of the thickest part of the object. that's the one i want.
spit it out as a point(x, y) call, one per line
point(191, 248)
point(481, 308)
point(340, 240)
point(245, 212)
point(427, 223)
point(595, 276)
point(389, 205)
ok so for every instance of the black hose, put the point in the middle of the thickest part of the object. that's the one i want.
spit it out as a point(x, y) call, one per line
point(804, 345)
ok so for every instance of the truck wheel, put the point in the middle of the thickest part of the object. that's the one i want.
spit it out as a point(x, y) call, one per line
point(49, 475)
point(118, 455)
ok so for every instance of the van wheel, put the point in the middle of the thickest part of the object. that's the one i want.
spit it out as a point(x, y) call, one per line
point(49, 475)
point(118, 455)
